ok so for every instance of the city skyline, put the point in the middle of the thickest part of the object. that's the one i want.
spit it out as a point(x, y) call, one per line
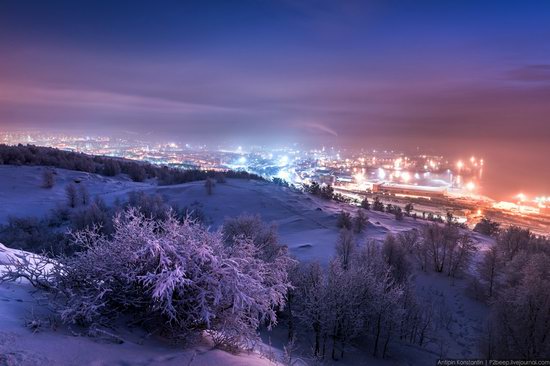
point(459, 79)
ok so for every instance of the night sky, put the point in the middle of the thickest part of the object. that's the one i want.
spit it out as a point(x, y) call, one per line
point(457, 77)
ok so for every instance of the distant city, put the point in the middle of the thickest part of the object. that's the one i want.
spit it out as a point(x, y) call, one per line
point(434, 183)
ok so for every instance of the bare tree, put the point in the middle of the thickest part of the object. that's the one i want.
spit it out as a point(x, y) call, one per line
point(83, 194)
point(460, 255)
point(72, 195)
point(345, 247)
point(488, 269)
point(395, 256)
point(360, 221)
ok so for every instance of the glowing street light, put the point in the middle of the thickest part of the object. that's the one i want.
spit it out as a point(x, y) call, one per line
point(470, 186)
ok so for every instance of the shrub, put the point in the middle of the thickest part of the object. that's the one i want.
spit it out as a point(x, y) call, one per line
point(175, 276)
point(487, 227)
point(251, 227)
point(344, 220)
point(377, 205)
point(48, 178)
point(34, 235)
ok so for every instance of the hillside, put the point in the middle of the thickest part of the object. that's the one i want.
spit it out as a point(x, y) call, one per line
point(306, 224)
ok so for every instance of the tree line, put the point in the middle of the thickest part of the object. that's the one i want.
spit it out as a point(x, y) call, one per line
point(107, 166)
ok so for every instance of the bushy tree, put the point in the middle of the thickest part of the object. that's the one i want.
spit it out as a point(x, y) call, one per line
point(377, 205)
point(438, 241)
point(111, 168)
point(398, 213)
point(461, 252)
point(365, 204)
point(309, 282)
point(355, 298)
point(344, 220)
point(137, 172)
point(95, 216)
point(175, 276)
point(34, 235)
point(150, 205)
point(487, 227)
point(521, 313)
point(252, 227)
point(327, 192)
point(513, 240)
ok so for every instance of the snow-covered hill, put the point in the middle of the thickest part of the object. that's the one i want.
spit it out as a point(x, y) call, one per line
point(50, 343)
point(305, 223)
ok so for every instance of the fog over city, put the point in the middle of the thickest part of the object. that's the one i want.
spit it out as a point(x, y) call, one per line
point(455, 79)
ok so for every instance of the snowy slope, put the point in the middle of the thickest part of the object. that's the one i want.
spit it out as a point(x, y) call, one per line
point(306, 224)
point(54, 344)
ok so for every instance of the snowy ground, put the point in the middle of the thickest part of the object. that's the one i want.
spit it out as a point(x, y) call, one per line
point(306, 224)
point(54, 344)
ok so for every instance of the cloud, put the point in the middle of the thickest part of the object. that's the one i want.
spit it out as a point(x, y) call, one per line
point(319, 127)
point(531, 73)
point(104, 100)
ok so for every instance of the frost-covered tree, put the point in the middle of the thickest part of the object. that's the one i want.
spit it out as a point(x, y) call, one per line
point(345, 247)
point(488, 270)
point(487, 227)
point(347, 302)
point(439, 241)
point(461, 252)
point(150, 205)
point(513, 240)
point(521, 313)
point(264, 236)
point(310, 286)
point(395, 256)
point(175, 276)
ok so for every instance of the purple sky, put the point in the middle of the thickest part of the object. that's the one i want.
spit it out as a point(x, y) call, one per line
point(459, 78)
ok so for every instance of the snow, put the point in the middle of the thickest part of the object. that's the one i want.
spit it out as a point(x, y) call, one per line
point(305, 223)
point(56, 345)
